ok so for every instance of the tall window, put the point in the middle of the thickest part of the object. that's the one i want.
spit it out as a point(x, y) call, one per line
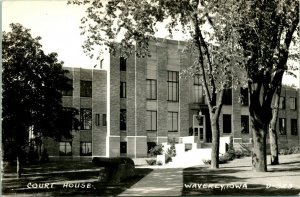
point(173, 81)
point(282, 126)
point(227, 96)
point(245, 124)
point(68, 92)
point(244, 96)
point(294, 127)
point(123, 148)
point(97, 119)
point(85, 88)
point(282, 102)
point(65, 148)
point(226, 123)
point(173, 121)
point(104, 123)
point(151, 89)
point(85, 148)
point(122, 64)
point(293, 103)
point(123, 119)
point(123, 89)
point(198, 90)
point(151, 120)
point(86, 118)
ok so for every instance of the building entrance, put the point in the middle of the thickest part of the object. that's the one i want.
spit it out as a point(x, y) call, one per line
point(199, 127)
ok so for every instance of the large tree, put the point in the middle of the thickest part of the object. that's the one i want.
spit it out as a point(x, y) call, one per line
point(32, 94)
point(129, 27)
point(266, 30)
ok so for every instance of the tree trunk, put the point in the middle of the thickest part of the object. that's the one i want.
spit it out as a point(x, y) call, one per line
point(259, 159)
point(272, 130)
point(19, 167)
point(215, 141)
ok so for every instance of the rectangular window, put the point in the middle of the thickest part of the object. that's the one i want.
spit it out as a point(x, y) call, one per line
point(198, 90)
point(173, 87)
point(123, 148)
point(282, 103)
point(123, 90)
point(85, 148)
point(122, 64)
point(294, 127)
point(151, 89)
point(245, 124)
point(97, 119)
point(68, 92)
point(226, 123)
point(85, 88)
point(86, 118)
point(65, 148)
point(282, 126)
point(104, 123)
point(150, 145)
point(151, 120)
point(244, 97)
point(227, 96)
point(68, 117)
point(293, 103)
point(173, 121)
point(123, 119)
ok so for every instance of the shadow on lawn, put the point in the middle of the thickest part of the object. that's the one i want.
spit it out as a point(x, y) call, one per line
point(195, 178)
point(60, 173)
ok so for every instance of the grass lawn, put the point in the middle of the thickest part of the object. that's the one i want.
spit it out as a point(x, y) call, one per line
point(283, 179)
point(59, 178)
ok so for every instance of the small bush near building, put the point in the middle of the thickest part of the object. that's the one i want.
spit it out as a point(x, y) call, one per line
point(151, 162)
point(159, 163)
point(156, 150)
point(289, 151)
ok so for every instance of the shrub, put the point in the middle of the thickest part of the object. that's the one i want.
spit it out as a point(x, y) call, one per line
point(206, 162)
point(157, 150)
point(151, 162)
point(291, 150)
point(159, 163)
point(171, 152)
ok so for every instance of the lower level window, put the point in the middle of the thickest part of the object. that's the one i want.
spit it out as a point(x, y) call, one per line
point(85, 148)
point(65, 148)
point(282, 126)
point(123, 148)
point(172, 121)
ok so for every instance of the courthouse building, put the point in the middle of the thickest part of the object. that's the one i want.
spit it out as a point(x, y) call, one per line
point(139, 102)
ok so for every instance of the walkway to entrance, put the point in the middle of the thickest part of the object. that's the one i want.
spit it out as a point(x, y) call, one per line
point(160, 182)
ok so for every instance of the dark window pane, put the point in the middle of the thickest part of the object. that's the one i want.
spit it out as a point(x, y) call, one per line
point(294, 127)
point(123, 89)
point(68, 92)
point(173, 90)
point(245, 124)
point(122, 64)
point(244, 96)
point(226, 123)
point(104, 120)
point(85, 88)
point(123, 147)
point(97, 119)
point(227, 96)
point(123, 119)
point(282, 103)
point(150, 145)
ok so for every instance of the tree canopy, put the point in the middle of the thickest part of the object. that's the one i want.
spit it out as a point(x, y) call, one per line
point(32, 86)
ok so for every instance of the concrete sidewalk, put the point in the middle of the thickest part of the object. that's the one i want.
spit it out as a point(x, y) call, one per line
point(160, 182)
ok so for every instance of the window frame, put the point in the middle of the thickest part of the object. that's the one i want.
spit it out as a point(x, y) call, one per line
point(247, 124)
point(151, 94)
point(282, 102)
point(172, 123)
point(123, 127)
point(173, 86)
point(294, 107)
point(244, 94)
point(282, 126)
point(64, 153)
point(81, 150)
point(123, 90)
point(123, 153)
point(86, 88)
point(227, 96)
point(68, 92)
point(151, 120)
point(104, 120)
point(294, 122)
point(84, 121)
point(123, 62)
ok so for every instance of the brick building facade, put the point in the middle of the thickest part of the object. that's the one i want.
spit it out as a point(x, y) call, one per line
point(138, 103)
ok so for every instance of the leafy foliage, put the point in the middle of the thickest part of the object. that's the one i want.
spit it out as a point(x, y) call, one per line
point(157, 150)
point(32, 85)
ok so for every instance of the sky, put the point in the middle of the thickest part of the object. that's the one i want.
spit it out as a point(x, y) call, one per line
point(58, 25)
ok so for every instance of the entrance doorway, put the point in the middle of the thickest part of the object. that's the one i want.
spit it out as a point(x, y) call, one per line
point(199, 127)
